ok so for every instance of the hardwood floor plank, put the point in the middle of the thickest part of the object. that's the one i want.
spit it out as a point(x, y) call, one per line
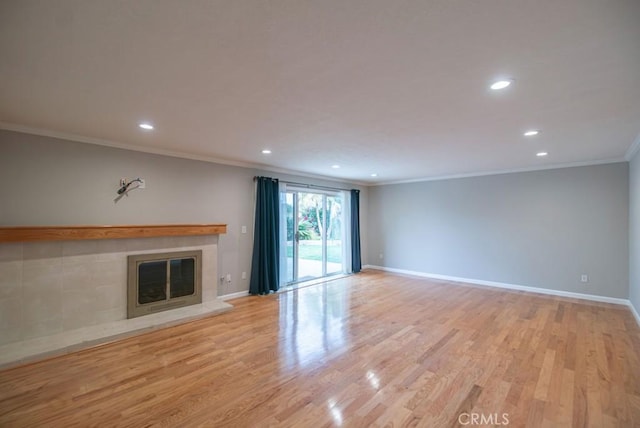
point(370, 350)
point(544, 379)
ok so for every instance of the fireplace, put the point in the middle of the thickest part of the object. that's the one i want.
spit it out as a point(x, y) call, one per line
point(162, 281)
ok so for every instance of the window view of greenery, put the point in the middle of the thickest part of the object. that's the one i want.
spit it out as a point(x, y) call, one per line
point(311, 224)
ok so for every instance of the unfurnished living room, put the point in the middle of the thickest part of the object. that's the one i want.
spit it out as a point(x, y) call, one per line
point(317, 213)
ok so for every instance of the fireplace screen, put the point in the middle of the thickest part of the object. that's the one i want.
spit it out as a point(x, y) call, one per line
point(165, 281)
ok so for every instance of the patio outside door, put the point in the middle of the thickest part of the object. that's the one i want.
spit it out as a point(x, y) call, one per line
point(314, 223)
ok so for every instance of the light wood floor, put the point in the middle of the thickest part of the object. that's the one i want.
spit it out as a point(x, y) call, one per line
point(370, 350)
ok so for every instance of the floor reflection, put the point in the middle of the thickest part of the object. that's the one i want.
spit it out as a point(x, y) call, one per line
point(313, 323)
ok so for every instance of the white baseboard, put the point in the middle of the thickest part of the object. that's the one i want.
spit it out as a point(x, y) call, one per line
point(591, 297)
point(233, 295)
point(634, 312)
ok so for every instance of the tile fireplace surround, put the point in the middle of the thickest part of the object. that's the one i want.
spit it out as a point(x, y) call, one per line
point(62, 289)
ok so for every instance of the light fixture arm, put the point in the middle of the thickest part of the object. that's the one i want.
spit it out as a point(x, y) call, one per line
point(125, 186)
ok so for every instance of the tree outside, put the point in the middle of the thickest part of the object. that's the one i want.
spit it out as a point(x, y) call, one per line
point(311, 227)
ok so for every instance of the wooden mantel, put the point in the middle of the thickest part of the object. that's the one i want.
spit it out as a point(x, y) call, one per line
point(65, 233)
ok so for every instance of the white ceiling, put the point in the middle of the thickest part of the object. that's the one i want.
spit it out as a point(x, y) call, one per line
point(399, 88)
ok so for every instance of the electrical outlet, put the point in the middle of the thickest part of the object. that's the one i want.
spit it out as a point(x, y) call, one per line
point(142, 184)
point(381, 256)
point(243, 229)
point(584, 278)
point(244, 275)
point(123, 181)
point(228, 277)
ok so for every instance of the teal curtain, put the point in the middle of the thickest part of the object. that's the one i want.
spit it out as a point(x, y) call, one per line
point(356, 261)
point(266, 245)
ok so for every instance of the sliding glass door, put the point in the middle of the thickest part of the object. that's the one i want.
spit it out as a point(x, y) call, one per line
point(314, 234)
point(334, 235)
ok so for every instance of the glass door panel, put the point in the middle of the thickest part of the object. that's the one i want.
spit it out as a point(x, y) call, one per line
point(309, 236)
point(334, 238)
point(314, 235)
point(291, 234)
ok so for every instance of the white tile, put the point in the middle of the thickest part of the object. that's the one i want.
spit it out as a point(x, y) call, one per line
point(41, 277)
point(111, 245)
point(36, 346)
point(209, 295)
point(80, 247)
point(42, 329)
point(10, 320)
point(12, 353)
point(111, 249)
point(208, 271)
point(75, 301)
point(78, 319)
point(11, 252)
point(75, 293)
point(115, 256)
point(80, 259)
point(10, 279)
point(111, 273)
point(108, 297)
point(60, 342)
point(79, 307)
point(42, 253)
point(111, 315)
point(210, 256)
point(41, 306)
point(78, 276)
point(139, 245)
point(196, 241)
point(79, 252)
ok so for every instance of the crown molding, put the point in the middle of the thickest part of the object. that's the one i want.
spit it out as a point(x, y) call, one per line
point(633, 149)
point(163, 152)
point(503, 171)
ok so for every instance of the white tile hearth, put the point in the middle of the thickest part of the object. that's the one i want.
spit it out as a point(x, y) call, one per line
point(73, 340)
point(56, 296)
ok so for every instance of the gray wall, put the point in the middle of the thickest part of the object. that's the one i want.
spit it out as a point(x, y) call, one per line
point(48, 181)
point(539, 229)
point(634, 232)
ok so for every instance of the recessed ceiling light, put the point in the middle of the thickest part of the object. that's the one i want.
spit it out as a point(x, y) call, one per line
point(335, 166)
point(374, 175)
point(531, 133)
point(146, 126)
point(541, 154)
point(266, 152)
point(501, 84)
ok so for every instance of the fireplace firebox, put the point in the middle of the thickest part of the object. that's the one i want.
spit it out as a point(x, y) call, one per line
point(162, 281)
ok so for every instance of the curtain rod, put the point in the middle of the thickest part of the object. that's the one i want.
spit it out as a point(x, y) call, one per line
point(311, 186)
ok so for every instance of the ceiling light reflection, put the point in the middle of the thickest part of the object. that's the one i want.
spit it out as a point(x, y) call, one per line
point(336, 414)
point(373, 379)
